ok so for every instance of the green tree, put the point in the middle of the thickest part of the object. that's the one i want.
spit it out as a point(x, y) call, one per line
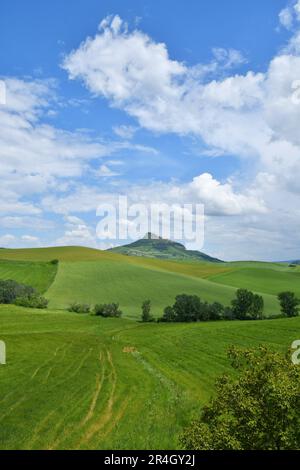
point(187, 308)
point(289, 304)
point(146, 311)
point(215, 311)
point(257, 307)
point(258, 410)
point(247, 306)
point(242, 304)
point(169, 315)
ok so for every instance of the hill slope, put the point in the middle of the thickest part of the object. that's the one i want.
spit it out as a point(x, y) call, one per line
point(130, 283)
point(94, 276)
point(156, 247)
point(39, 275)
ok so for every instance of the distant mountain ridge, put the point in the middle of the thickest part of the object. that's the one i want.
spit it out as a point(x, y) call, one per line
point(152, 246)
point(297, 261)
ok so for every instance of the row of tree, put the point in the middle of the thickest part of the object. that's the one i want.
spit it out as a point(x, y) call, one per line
point(245, 306)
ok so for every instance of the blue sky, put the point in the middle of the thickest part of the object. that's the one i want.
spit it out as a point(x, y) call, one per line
point(166, 101)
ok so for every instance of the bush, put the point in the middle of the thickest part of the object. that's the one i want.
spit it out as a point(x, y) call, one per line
point(79, 308)
point(54, 261)
point(258, 409)
point(32, 301)
point(11, 290)
point(108, 310)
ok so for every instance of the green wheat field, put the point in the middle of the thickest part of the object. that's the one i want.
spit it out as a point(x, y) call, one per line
point(81, 382)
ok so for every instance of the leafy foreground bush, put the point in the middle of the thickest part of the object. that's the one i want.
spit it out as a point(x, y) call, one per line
point(11, 290)
point(32, 301)
point(79, 308)
point(260, 410)
point(108, 310)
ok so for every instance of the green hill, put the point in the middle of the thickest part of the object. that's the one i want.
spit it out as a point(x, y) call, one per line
point(94, 276)
point(267, 279)
point(157, 247)
point(130, 284)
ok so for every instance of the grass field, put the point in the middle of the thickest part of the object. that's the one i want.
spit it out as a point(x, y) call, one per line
point(94, 276)
point(39, 275)
point(130, 284)
point(81, 382)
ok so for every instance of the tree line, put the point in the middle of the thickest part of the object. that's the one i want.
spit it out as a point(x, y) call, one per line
point(187, 308)
point(245, 306)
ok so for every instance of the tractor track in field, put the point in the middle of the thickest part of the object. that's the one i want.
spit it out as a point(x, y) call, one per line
point(99, 383)
point(106, 416)
point(13, 407)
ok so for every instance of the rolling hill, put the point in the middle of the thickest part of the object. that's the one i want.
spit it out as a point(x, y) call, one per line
point(94, 276)
point(156, 247)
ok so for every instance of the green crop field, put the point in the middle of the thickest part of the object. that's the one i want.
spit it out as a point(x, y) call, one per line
point(81, 382)
point(39, 275)
point(130, 284)
point(93, 276)
point(265, 279)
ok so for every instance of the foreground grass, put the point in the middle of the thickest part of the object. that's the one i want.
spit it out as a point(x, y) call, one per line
point(75, 381)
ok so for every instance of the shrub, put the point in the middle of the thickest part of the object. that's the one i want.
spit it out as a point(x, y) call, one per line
point(54, 261)
point(79, 308)
point(32, 301)
point(188, 308)
point(11, 290)
point(108, 310)
point(257, 410)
